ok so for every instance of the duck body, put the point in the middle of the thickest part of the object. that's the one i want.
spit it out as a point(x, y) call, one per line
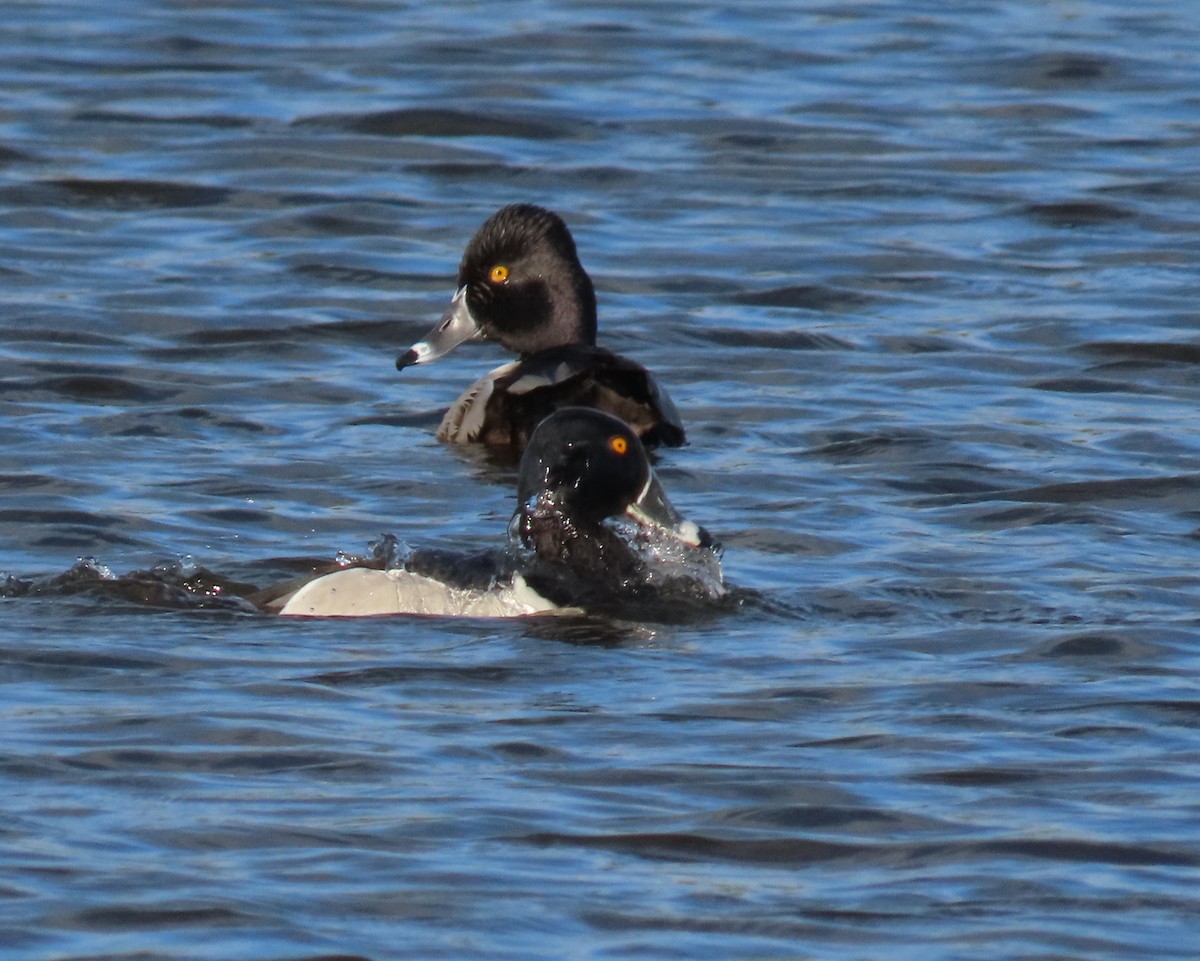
point(593, 530)
point(432, 582)
point(520, 284)
point(503, 407)
point(363, 592)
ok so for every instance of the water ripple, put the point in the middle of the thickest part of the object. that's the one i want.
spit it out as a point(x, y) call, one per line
point(922, 285)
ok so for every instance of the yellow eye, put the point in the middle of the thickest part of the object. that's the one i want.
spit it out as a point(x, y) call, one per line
point(498, 274)
point(618, 445)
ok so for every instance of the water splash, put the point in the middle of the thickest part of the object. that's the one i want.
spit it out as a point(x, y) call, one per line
point(669, 565)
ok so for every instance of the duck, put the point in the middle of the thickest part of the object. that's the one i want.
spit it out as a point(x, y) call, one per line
point(593, 532)
point(521, 285)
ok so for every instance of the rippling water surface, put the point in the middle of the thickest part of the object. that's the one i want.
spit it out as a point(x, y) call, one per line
point(922, 281)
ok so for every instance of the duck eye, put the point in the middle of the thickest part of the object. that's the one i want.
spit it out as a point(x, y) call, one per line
point(498, 274)
point(618, 445)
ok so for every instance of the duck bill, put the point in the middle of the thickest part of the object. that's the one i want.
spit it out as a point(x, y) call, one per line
point(653, 509)
point(456, 325)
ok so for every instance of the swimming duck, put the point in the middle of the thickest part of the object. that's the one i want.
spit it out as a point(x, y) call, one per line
point(593, 530)
point(520, 284)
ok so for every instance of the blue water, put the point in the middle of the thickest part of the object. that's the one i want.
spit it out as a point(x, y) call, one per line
point(921, 279)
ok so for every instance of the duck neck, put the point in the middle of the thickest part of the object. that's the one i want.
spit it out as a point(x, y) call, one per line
point(583, 567)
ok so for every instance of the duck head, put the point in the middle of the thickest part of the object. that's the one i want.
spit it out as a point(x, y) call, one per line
point(591, 511)
point(520, 284)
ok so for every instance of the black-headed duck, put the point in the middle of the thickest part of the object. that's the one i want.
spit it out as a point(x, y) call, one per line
point(593, 530)
point(520, 284)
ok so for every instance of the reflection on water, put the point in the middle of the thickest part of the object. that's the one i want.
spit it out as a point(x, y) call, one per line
point(921, 282)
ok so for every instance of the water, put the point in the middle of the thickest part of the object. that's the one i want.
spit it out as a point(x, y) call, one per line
point(921, 280)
